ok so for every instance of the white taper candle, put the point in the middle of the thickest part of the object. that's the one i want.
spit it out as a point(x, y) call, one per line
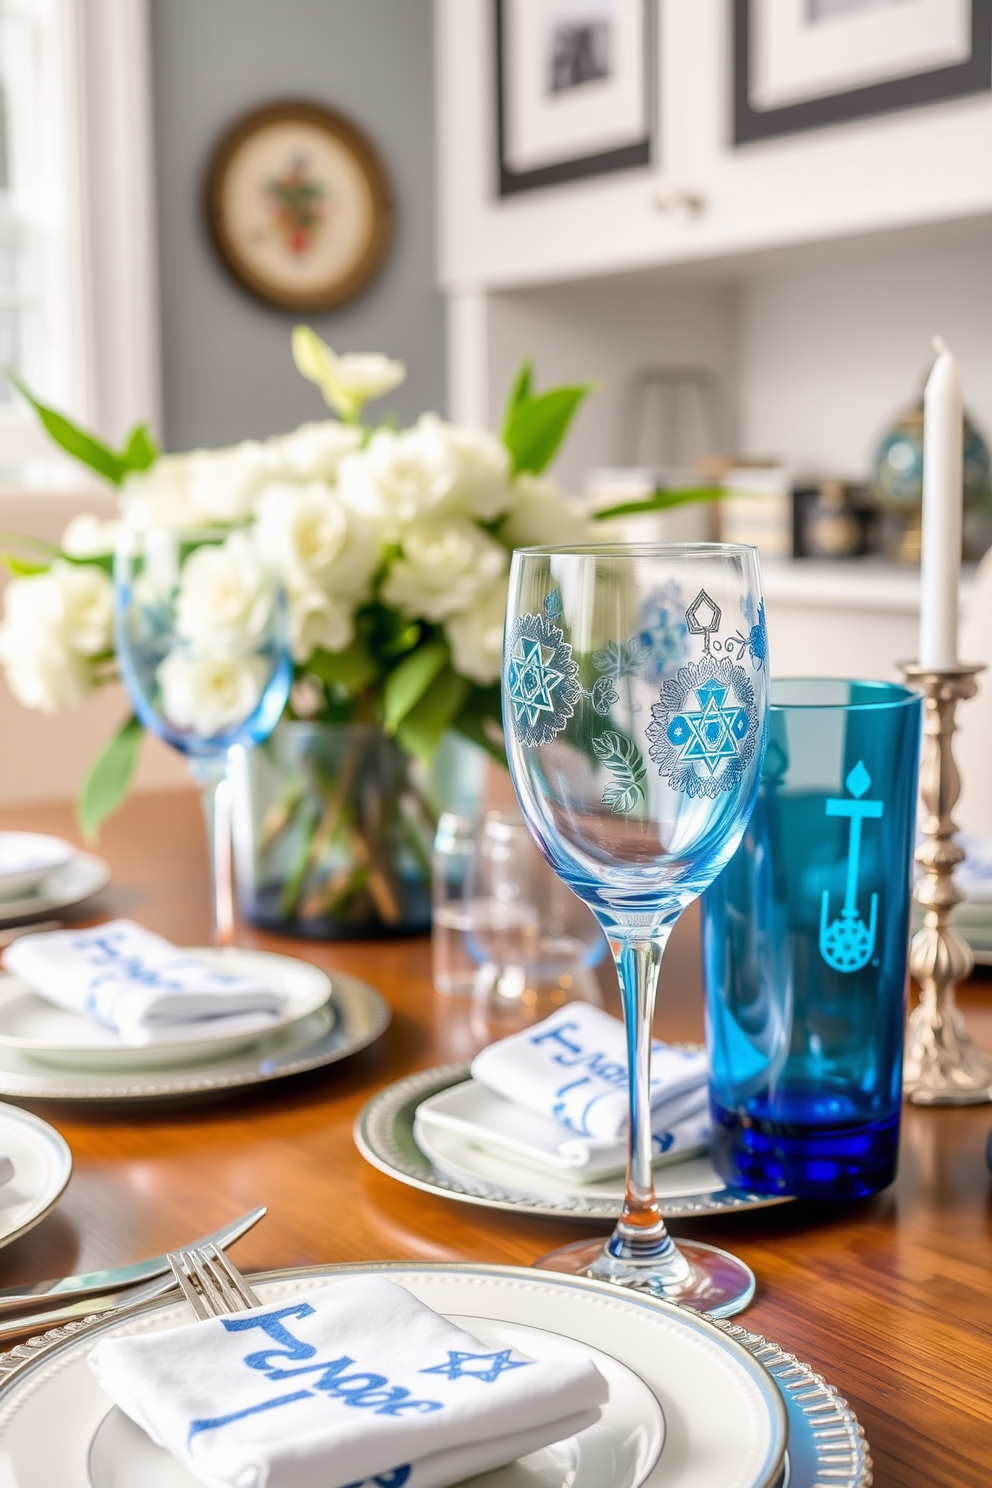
point(943, 488)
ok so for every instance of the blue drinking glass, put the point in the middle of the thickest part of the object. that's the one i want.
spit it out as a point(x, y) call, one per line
point(634, 708)
point(203, 648)
point(805, 947)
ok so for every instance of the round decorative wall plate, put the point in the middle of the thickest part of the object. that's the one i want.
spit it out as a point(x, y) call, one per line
point(299, 205)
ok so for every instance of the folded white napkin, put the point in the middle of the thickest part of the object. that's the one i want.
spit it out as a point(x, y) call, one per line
point(137, 983)
point(355, 1381)
point(497, 1125)
point(573, 1066)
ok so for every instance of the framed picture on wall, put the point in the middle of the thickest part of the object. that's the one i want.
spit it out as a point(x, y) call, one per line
point(802, 64)
point(299, 206)
point(573, 89)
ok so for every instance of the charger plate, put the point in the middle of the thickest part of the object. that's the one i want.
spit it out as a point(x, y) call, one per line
point(49, 1034)
point(42, 1166)
point(456, 1169)
point(717, 1389)
point(351, 1018)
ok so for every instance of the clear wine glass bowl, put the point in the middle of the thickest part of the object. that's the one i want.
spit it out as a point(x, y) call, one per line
point(202, 646)
point(634, 697)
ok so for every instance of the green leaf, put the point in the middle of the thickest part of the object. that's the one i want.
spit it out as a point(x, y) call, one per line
point(659, 501)
point(22, 568)
point(623, 760)
point(537, 426)
point(409, 681)
point(351, 669)
point(424, 726)
point(519, 393)
point(140, 451)
point(109, 779)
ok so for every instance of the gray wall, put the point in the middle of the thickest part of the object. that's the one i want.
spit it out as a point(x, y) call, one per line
point(228, 372)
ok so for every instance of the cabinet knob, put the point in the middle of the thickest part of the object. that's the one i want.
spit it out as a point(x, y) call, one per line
point(678, 198)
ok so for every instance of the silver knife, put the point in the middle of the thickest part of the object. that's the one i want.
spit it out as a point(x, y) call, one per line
point(96, 1283)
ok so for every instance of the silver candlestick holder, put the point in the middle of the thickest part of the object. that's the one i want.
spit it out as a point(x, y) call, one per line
point(941, 1067)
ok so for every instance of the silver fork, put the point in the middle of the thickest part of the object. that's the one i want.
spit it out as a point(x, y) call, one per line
point(211, 1284)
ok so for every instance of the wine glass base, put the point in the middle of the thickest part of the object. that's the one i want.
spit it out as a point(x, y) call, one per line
point(720, 1284)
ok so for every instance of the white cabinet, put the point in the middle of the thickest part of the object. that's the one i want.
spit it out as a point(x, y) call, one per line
point(913, 167)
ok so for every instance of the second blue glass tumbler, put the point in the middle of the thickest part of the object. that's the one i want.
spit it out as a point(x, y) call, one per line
point(805, 942)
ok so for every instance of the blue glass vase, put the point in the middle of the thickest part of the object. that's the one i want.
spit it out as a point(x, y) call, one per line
point(805, 945)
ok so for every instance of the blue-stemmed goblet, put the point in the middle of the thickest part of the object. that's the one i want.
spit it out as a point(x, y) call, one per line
point(202, 646)
point(634, 698)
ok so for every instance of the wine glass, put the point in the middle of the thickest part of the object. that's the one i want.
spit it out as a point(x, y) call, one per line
point(635, 684)
point(203, 648)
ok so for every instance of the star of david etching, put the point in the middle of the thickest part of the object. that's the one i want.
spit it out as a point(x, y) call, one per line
point(485, 1367)
point(542, 685)
point(703, 728)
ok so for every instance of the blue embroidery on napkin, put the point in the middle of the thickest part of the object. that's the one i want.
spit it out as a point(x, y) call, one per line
point(598, 1064)
point(394, 1478)
point(459, 1365)
point(363, 1390)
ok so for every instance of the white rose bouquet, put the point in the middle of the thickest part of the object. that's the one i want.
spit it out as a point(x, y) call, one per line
point(391, 547)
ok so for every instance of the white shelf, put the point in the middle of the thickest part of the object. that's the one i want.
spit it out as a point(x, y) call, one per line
point(860, 586)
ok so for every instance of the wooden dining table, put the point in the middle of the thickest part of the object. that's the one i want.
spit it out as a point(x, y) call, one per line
point(889, 1298)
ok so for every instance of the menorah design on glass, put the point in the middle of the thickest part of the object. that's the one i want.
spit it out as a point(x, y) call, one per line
point(847, 943)
point(635, 683)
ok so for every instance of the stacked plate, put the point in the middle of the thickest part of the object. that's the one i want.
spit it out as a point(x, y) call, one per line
point(693, 1403)
point(420, 1131)
point(47, 1052)
point(41, 875)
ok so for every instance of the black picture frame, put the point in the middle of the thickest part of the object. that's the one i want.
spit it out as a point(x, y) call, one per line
point(628, 157)
point(971, 76)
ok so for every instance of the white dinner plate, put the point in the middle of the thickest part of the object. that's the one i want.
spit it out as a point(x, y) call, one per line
point(42, 1165)
point(28, 857)
point(83, 876)
point(53, 1035)
point(351, 1018)
point(447, 1164)
point(679, 1386)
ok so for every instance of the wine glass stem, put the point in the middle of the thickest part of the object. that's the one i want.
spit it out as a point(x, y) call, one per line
point(216, 792)
point(641, 1235)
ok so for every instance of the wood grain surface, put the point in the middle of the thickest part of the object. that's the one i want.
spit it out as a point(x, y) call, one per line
point(890, 1298)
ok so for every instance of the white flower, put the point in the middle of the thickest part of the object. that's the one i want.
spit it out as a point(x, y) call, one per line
point(87, 537)
point(87, 599)
point(314, 541)
point(226, 597)
point(223, 483)
point(478, 468)
point(209, 695)
point(315, 619)
point(198, 489)
point(54, 624)
point(311, 452)
point(432, 469)
point(476, 636)
point(159, 496)
point(396, 478)
point(445, 563)
point(325, 556)
point(347, 382)
point(541, 514)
